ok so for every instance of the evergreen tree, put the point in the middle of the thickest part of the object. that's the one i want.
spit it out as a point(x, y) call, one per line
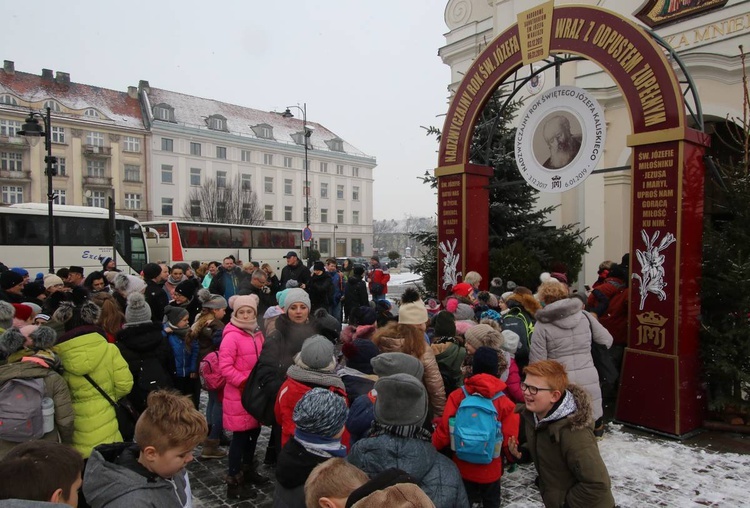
point(725, 292)
point(521, 243)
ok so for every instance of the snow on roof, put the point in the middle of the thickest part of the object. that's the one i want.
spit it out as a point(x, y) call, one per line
point(193, 111)
point(117, 107)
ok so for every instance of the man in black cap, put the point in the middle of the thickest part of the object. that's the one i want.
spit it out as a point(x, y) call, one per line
point(155, 295)
point(320, 287)
point(75, 276)
point(11, 287)
point(294, 270)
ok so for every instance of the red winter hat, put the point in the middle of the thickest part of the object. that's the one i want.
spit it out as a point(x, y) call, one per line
point(462, 289)
point(23, 312)
point(561, 277)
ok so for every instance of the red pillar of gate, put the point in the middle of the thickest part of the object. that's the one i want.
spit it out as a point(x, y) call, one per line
point(660, 387)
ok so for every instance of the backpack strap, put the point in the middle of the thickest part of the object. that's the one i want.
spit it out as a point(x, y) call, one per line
point(498, 395)
point(99, 389)
point(466, 394)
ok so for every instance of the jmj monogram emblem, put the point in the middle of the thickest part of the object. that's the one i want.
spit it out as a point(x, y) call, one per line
point(651, 329)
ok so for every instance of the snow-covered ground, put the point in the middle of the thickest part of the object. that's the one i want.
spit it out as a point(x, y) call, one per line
point(654, 472)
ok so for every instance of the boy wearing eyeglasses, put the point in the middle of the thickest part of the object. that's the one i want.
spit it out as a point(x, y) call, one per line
point(560, 438)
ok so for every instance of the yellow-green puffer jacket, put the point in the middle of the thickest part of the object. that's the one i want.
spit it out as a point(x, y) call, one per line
point(84, 350)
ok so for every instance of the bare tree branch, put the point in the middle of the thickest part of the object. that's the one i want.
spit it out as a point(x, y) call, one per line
point(228, 204)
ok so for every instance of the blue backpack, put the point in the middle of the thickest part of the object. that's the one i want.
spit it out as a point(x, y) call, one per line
point(477, 433)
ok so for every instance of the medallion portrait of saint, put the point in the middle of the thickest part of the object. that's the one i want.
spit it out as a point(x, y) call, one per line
point(562, 140)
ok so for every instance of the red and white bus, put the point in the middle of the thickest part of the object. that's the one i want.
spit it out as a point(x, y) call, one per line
point(174, 241)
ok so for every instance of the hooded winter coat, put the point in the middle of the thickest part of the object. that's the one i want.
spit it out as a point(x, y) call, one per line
point(355, 294)
point(320, 289)
point(431, 379)
point(566, 455)
point(487, 386)
point(84, 350)
point(140, 345)
point(238, 354)
point(300, 381)
point(563, 333)
point(434, 472)
point(115, 479)
point(295, 463)
point(449, 356)
point(54, 387)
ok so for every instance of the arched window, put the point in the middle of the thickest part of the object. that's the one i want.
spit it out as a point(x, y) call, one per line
point(217, 123)
point(53, 105)
point(164, 112)
point(8, 99)
point(91, 113)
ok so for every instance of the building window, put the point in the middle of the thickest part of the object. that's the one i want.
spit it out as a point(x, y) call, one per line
point(357, 247)
point(268, 212)
point(324, 245)
point(95, 139)
point(132, 173)
point(164, 112)
point(97, 198)
point(339, 216)
point(339, 169)
point(195, 148)
point(355, 217)
point(9, 128)
point(57, 134)
point(306, 189)
point(95, 168)
point(263, 131)
point(52, 105)
point(195, 208)
point(195, 176)
point(61, 197)
point(245, 155)
point(323, 190)
point(247, 211)
point(247, 182)
point(288, 213)
point(337, 145)
point(324, 215)
point(166, 206)
point(217, 123)
point(9, 100)
point(12, 194)
point(221, 210)
point(59, 168)
point(221, 152)
point(221, 179)
point(167, 145)
point(355, 172)
point(132, 201)
point(288, 186)
point(355, 193)
point(287, 162)
point(324, 167)
point(268, 159)
point(305, 163)
point(339, 192)
point(131, 144)
point(268, 185)
point(91, 113)
point(11, 161)
point(166, 174)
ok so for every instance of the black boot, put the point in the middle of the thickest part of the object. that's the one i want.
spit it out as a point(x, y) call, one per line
point(252, 477)
point(236, 488)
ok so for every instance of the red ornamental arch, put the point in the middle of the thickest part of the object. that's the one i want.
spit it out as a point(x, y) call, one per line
point(667, 197)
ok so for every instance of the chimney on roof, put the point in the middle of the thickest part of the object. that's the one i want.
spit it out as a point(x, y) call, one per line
point(144, 86)
point(47, 74)
point(62, 78)
point(133, 92)
point(9, 67)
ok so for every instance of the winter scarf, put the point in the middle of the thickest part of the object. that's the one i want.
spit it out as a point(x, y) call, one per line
point(315, 377)
point(319, 445)
point(247, 325)
point(407, 431)
point(566, 407)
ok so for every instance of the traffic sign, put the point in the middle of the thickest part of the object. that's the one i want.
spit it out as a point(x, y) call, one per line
point(306, 234)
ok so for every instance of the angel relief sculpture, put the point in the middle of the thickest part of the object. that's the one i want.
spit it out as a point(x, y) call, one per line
point(450, 263)
point(651, 278)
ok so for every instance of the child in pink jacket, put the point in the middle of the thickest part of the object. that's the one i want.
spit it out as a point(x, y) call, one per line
point(241, 344)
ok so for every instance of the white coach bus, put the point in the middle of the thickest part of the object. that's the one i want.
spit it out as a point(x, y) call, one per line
point(82, 238)
point(176, 241)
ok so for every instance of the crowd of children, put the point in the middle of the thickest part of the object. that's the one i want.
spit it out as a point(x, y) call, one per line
point(420, 403)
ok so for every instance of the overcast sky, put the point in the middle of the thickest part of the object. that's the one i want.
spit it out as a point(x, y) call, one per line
point(369, 71)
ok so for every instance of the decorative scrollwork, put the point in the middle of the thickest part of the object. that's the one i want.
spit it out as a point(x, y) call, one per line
point(457, 13)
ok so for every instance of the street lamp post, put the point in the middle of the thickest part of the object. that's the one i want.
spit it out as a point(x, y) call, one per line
point(33, 132)
point(335, 227)
point(306, 135)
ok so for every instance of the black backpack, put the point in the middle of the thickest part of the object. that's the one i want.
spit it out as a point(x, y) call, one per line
point(150, 375)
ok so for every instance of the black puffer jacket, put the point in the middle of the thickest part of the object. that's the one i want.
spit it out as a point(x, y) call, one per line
point(145, 349)
point(298, 272)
